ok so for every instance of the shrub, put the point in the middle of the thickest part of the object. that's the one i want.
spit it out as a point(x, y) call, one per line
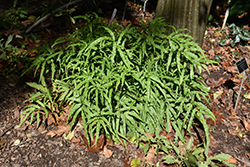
point(120, 80)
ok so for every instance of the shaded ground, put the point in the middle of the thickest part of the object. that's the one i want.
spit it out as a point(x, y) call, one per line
point(28, 146)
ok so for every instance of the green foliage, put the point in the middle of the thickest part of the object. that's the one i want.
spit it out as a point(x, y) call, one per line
point(135, 162)
point(159, 142)
point(7, 50)
point(238, 7)
point(12, 55)
point(11, 18)
point(237, 35)
point(194, 157)
point(119, 80)
point(185, 155)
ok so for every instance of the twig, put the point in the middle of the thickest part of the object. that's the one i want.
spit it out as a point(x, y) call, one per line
point(113, 16)
point(123, 15)
point(51, 13)
point(144, 9)
point(225, 19)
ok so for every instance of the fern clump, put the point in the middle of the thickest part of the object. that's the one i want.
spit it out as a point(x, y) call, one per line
point(120, 80)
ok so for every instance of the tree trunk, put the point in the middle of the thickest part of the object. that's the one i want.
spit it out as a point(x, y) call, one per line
point(189, 14)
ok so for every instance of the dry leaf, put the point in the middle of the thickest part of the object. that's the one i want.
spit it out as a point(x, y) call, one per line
point(17, 142)
point(51, 134)
point(247, 95)
point(232, 160)
point(94, 148)
point(125, 22)
point(66, 109)
point(2, 142)
point(245, 109)
point(218, 34)
point(233, 114)
point(53, 118)
point(126, 160)
point(60, 131)
point(120, 147)
point(150, 155)
point(218, 115)
point(229, 68)
point(248, 154)
point(235, 123)
point(246, 125)
point(212, 83)
point(106, 152)
point(237, 132)
point(70, 135)
point(16, 113)
point(232, 132)
point(75, 140)
point(217, 94)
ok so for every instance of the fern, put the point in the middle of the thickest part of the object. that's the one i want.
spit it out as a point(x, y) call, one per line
point(121, 80)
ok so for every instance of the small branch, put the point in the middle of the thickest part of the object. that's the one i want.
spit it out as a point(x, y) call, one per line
point(144, 9)
point(51, 13)
point(225, 19)
point(123, 15)
point(113, 16)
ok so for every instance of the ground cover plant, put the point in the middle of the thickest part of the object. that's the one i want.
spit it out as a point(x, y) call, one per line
point(121, 82)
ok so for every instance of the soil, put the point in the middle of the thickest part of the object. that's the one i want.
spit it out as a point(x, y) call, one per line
point(29, 146)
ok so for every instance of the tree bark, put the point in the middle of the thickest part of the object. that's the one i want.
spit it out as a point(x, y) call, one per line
point(189, 14)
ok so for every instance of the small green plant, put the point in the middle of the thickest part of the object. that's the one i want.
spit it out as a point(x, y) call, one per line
point(159, 142)
point(238, 7)
point(7, 50)
point(237, 35)
point(182, 154)
point(194, 156)
point(13, 55)
point(119, 80)
point(11, 18)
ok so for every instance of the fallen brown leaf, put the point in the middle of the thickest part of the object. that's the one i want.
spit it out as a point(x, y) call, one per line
point(150, 155)
point(2, 142)
point(94, 148)
point(53, 118)
point(235, 123)
point(248, 154)
point(217, 94)
point(75, 140)
point(218, 115)
point(106, 152)
point(16, 113)
point(126, 161)
point(60, 131)
point(218, 34)
point(229, 68)
point(246, 125)
point(232, 160)
point(232, 132)
point(245, 109)
point(126, 22)
point(212, 83)
point(233, 114)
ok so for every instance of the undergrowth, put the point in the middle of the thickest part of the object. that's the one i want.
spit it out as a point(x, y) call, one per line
point(121, 81)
